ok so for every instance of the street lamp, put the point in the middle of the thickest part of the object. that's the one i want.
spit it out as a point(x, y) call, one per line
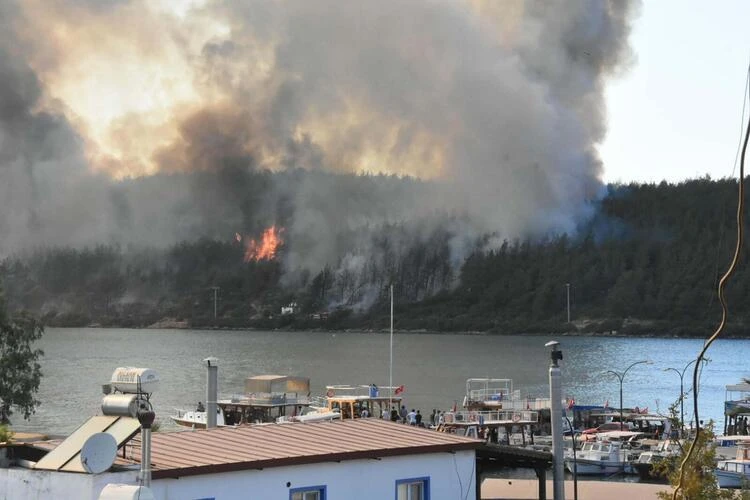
point(621, 377)
point(682, 392)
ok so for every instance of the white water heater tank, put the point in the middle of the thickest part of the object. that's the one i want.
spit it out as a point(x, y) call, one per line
point(126, 379)
point(122, 405)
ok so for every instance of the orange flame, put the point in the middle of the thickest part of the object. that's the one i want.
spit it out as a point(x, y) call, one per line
point(266, 248)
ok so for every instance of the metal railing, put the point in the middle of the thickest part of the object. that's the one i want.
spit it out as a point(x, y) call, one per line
point(491, 416)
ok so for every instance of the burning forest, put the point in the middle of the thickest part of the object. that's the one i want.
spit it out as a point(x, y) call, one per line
point(313, 149)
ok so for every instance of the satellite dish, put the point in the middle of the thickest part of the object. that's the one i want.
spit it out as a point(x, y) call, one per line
point(98, 452)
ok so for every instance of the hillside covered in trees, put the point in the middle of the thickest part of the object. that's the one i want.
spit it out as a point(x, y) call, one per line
point(647, 261)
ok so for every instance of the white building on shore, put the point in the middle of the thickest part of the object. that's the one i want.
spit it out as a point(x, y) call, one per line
point(337, 460)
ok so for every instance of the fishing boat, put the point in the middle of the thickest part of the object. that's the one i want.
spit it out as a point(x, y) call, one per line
point(311, 414)
point(647, 460)
point(196, 418)
point(266, 399)
point(613, 452)
point(735, 473)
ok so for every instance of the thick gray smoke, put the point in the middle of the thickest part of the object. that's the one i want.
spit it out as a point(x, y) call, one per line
point(498, 106)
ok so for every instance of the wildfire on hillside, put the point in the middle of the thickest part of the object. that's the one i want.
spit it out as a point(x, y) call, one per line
point(264, 248)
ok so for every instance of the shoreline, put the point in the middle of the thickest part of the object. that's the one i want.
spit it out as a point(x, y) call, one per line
point(360, 331)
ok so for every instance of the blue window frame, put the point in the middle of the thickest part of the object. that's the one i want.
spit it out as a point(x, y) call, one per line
point(308, 493)
point(416, 488)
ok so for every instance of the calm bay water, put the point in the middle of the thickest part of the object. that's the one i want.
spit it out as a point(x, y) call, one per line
point(433, 367)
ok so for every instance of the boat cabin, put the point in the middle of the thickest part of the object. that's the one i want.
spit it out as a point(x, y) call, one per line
point(736, 406)
point(352, 400)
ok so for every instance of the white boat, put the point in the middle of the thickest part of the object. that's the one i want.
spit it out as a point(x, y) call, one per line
point(311, 415)
point(266, 398)
point(735, 473)
point(613, 452)
point(498, 394)
point(644, 466)
point(196, 419)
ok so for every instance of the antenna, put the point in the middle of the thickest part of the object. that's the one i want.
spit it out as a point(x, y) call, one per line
point(98, 453)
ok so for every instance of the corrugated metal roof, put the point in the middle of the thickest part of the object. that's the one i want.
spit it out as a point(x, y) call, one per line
point(225, 449)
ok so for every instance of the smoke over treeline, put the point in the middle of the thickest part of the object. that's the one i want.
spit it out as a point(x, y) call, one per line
point(142, 123)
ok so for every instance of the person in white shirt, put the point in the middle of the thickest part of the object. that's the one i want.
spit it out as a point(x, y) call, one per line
point(411, 417)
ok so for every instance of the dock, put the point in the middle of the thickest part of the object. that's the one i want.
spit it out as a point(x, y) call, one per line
point(526, 489)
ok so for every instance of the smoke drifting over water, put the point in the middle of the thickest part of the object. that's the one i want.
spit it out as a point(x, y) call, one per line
point(147, 123)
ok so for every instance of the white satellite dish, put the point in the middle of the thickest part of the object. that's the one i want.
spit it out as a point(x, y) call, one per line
point(98, 452)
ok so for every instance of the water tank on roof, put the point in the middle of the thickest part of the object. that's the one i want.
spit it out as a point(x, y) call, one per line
point(126, 379)
point(122, 405)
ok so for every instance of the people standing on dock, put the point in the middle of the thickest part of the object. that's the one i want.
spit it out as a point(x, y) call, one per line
point(411, 417)
point(403, 413)
point(200, 407)
point(418, 419)
point(433, 417)
point(394, 414)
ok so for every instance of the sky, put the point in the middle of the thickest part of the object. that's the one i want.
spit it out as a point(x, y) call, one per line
point(676, 113)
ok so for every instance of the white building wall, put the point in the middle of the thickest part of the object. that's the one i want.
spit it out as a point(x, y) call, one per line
point(25, 484)
point(451, 476)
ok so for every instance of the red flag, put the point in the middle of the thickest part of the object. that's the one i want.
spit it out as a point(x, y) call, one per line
point(606, 404)
point(644, 411)
point(571, 403)
point(399, 390)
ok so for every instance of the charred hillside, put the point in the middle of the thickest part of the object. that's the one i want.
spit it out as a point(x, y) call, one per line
point(646, 261)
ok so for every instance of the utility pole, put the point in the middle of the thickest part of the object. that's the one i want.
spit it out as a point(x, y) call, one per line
point(216, 293)
point(567, 286)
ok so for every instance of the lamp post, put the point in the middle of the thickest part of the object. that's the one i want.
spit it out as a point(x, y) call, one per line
point(621, 377)
point(682, 392)
point(556, 416)
point(567, 287)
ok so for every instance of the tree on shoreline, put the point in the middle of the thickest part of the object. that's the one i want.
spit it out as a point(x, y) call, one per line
point(20, 371)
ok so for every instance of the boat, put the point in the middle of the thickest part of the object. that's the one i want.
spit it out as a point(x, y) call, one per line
point(498, 394)
point(644, 465)
point(351, 401)
point(497, 411)
point(195, 418)
point(467, 429)
point(311, 415)
point(266, 399)
point(612, 453)
point(735, 473)
point(736, 406)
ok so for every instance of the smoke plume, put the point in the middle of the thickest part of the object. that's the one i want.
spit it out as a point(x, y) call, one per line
point(145, 122)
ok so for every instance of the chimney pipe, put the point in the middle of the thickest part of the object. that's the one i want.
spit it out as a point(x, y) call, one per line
point(212, 390)
point(146, 418)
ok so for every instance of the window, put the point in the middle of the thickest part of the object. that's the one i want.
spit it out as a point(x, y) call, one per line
point(308, 493)
point(413, 489)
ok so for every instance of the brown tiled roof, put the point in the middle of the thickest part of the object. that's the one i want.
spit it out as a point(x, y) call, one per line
point(225, 449)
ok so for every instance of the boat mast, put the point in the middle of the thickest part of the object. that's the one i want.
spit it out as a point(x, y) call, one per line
point(390, 372)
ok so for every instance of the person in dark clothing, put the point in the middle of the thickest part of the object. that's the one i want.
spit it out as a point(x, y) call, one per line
point(418, 418)
point(200, 407)
point(394, 415)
